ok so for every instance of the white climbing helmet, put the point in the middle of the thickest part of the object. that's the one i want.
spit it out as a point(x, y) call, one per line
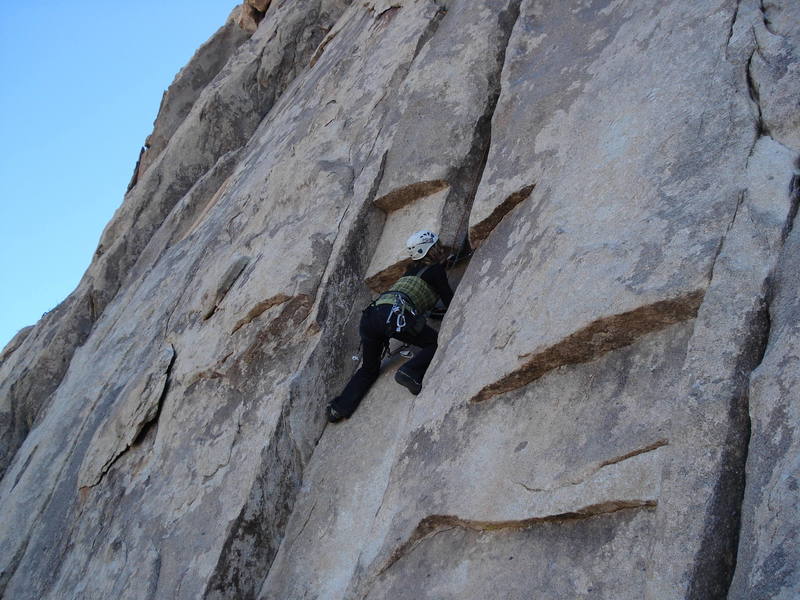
point(420, 242)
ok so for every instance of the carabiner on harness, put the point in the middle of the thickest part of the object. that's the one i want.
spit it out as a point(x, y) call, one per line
point(399, 308)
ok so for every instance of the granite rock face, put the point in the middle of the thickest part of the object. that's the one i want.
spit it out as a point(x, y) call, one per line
point(189, 83)
point(766, 565)
point(612, 409)
point(221, 120)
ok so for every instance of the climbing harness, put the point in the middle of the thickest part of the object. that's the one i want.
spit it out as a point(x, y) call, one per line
point(401, 303)
point(411, 294)
point(419, 294)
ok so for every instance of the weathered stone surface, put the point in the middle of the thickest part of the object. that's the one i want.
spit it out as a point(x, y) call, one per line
point(34, 370)
point(766, 35)
point(535, 455)
point(242, 411)
point(249, 17)
point(136, 407)
point(221, 120)
point(447, 93)
point(15, 343)
point(212, 297)
point(628, 212)
point(508, 466)
point(260, 5)
point(573, 558)
point(391, 258)
point(187, 86)
point(583, 430)
point(341, 490)
point(699, 513)
point(439, 126)
point(769, 544)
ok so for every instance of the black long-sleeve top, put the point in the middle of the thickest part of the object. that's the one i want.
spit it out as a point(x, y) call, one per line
point(436, 277)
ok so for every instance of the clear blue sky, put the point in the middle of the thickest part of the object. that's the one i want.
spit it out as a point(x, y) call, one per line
point(80, 86)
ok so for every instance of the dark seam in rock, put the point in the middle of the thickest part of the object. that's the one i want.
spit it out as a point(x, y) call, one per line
point(152, 587)
point(135, 176)
point(755, 96)
point(308, 519)
point(349, 194)
point(598, 467)
point(794, 196)
point(321, 48)
point(259, 309)
point(748, 434)
point(601, 336)
point(481, 231)
point(392, 8)
point(24, 467)
point(298, 455)
point(259, 522)
point(430, 30)
point(207, 478)
point(403, 196)
point(433, 524)
point(649, 448)
point(730, 29)
point(144, 428)
point(715, 561)
point(739, 201)
point(765, 18)
point(363, 213)
point(496, 83)
point(331, 268)
point(92, 306)
point(228, 280)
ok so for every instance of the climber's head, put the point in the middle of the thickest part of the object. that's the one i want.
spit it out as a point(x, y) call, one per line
point(420, 243)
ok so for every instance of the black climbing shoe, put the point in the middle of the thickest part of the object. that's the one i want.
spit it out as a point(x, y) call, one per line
point(333, 415)
point(408, 381)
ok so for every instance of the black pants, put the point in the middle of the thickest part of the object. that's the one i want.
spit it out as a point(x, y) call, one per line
point(375, 333)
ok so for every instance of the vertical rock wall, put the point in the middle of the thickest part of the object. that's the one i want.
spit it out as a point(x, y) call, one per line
point(766, 565)
point(627, 175)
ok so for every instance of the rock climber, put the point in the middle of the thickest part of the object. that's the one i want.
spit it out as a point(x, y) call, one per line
point(400, 313)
